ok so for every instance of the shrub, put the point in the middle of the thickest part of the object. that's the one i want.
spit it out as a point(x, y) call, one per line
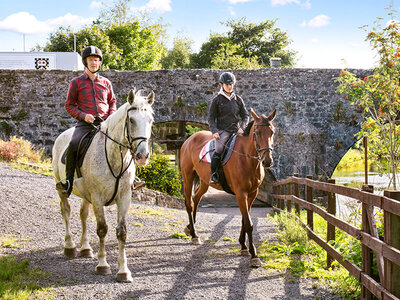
point(17, 149)
point(161, 176)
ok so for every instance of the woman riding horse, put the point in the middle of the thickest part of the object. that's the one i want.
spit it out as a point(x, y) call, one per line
point(226, 110)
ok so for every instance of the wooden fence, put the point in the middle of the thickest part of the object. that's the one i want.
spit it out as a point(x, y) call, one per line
point(387, 285)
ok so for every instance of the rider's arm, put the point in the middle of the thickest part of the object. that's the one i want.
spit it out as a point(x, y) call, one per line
point(71, 104)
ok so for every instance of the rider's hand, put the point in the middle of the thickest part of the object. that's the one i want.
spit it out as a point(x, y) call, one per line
point(89, 118)
point(240, 131)
point(216, 136)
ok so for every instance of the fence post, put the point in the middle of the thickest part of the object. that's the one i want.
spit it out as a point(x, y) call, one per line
point(392, 237)
point(330, 235)
point(289, 192)
point(366, 253)
point(297, 194)
point(281, 201)
point(309, 193)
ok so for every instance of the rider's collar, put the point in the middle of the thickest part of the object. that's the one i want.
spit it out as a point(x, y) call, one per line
point(222, 92)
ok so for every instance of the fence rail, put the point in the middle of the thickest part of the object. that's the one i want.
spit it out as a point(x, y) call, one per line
point(387, 252)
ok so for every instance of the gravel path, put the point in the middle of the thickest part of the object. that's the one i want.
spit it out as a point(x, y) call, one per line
point(162, 267)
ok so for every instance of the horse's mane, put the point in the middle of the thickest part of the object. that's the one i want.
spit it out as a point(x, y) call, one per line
point(265, 120)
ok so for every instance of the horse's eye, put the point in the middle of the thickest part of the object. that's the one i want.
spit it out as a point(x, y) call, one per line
point(133, 121)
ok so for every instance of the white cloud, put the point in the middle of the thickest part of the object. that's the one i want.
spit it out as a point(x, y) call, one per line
point(159, 6)
point(69, 20)
point(318, 21)
point(238, 1)
point(314, 40)
point(231, 11)
point(306, 3)
point(95, 4)
point(23, 22)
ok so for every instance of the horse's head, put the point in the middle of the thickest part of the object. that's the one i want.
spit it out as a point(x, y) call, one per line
point(263, 136)
point(139, 123)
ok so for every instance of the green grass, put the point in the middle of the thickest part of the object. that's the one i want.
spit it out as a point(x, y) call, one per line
point(294, 255)
point(18, 280)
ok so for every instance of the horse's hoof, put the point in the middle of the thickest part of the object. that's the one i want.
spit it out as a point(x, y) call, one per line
point(244, 252)
point(124, 277)
point(196, 241)
point(186, 231)
point(255, 262)
point(103, 270)
point(70, 252)
point(86, 253)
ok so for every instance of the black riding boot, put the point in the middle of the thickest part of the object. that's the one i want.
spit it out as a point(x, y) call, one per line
point(215, 162)
point(70, 165)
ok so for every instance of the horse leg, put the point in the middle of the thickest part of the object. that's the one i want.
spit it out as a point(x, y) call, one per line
point(69, 246)
point(103, 268)
point(247, 227)
point(188, 178)
point(86, 250)
point(200, 191)
point(124, 274)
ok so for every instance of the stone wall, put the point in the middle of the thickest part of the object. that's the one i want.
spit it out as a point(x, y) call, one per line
point(315, 125)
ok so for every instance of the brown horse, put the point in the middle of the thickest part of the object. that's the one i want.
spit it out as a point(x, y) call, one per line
point(244, 174)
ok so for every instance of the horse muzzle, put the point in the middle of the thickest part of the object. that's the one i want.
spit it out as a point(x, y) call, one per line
point(141, 158)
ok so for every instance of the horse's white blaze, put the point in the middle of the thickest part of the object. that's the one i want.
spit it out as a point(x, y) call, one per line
point(97, 183)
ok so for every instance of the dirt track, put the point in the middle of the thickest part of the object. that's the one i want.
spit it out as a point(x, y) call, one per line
point(162, 267)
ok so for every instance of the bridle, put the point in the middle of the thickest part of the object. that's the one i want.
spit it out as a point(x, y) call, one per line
point(260, 151)
point(131, 147)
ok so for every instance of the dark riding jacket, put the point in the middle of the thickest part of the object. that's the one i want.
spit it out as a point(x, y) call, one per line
point(227, 114)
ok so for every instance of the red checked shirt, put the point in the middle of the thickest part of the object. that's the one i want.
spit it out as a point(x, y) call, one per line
point(86, 96)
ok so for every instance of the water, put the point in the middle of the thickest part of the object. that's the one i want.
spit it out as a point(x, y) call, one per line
point(348, 208)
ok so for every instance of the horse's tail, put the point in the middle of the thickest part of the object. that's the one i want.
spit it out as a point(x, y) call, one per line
point(196, 182)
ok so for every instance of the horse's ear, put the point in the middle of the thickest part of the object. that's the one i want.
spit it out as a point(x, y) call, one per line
point(131, 97)
point(254, 115)
point(272, 116)
point(150, 98)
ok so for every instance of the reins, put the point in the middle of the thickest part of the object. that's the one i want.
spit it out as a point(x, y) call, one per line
point(130, 147)
point(258, 150)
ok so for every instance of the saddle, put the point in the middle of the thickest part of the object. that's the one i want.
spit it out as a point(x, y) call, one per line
point(207, 152)
point(83, 147)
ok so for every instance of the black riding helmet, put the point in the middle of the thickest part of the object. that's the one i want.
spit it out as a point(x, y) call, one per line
point(227, 78)
point(91, 51)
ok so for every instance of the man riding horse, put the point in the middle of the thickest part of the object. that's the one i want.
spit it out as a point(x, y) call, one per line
point(227, 115)
point(90, 100)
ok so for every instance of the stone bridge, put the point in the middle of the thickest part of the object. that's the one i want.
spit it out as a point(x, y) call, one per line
point(315, 125)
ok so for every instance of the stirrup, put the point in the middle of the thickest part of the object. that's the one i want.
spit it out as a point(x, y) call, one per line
point(63, 187)
point(138, 184)
point(214, 179)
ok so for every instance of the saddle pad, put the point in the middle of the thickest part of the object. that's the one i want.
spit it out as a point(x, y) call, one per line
point(208, 149)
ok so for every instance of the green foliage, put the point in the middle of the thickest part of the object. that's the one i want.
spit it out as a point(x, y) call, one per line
point(246, 45)
point(161, 176)
point(379, 95)
point(179, 56)
point(17, 280)
point(179, 235)
point(303, 258)
point(126, 43)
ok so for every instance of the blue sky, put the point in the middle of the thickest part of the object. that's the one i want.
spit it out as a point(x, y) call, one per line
point(325, 33)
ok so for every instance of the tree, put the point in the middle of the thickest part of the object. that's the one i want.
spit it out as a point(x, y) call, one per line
point(62, 40)
point(126, 44)
point(227, 58)
point(250, 41)
point(379, 95)
point(179, 56)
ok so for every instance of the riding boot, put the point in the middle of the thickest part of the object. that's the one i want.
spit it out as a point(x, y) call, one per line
point(215, 162)
point(70, 165)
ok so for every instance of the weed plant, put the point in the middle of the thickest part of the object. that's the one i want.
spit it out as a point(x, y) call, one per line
point(21, 154)
point(295, 255)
